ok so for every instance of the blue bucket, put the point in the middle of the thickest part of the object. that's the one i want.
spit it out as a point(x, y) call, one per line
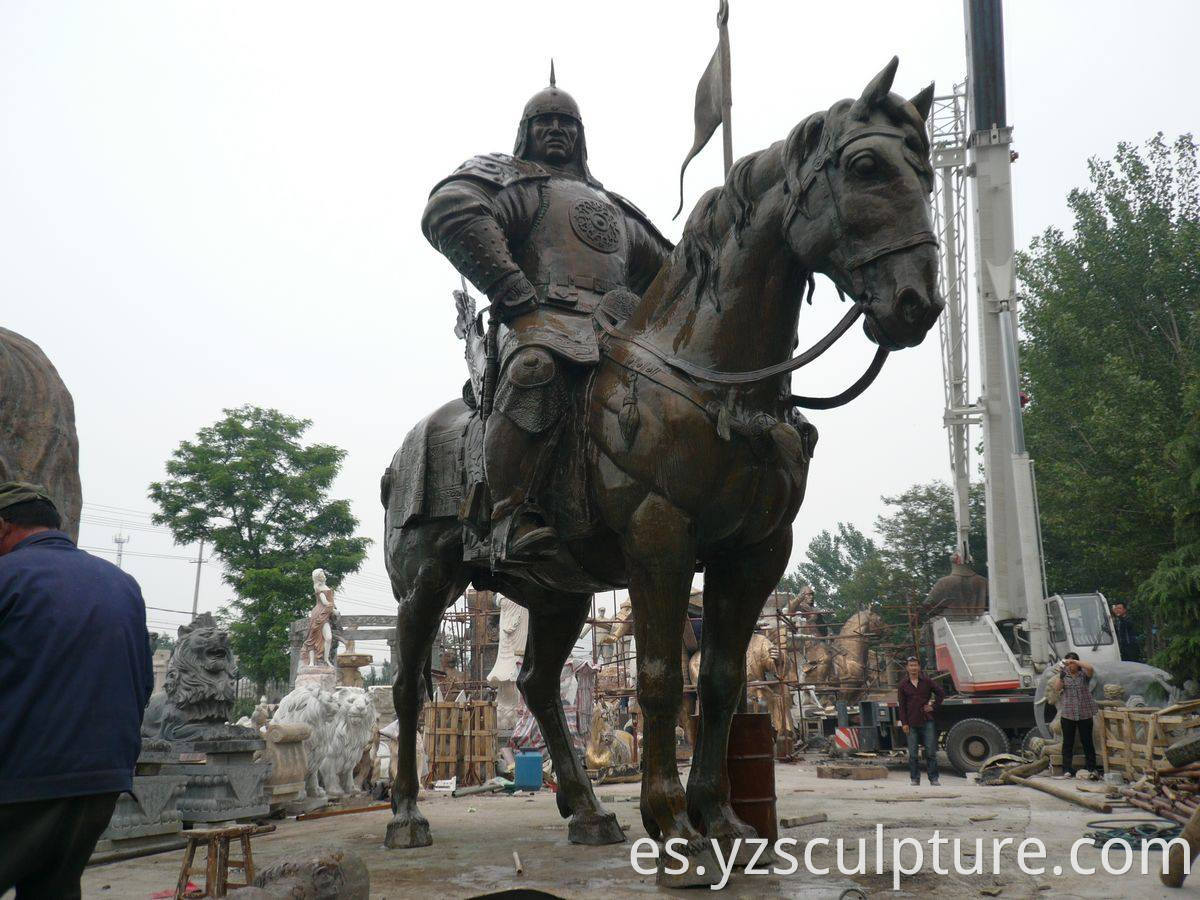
point(529, 772)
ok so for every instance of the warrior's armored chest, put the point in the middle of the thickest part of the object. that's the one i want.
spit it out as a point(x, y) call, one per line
point(577, 249)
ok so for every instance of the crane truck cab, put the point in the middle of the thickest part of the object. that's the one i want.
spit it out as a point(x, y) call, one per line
point(1082, 623)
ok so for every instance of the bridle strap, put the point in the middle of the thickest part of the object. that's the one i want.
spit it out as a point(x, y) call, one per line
point(849, 393)
point(717, 377)
point(913, 240)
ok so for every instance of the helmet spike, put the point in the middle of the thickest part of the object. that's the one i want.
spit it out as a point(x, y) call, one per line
point(552, 71)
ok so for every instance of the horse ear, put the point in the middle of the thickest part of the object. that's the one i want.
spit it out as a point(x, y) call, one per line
point(875, 91)
point(923, 102)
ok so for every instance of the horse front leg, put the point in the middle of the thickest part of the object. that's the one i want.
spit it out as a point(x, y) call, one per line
point(424, 585)
point(735, 588)
point(554, 624)
point(660, 549)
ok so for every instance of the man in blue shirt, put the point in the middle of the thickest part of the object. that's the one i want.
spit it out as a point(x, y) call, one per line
point(75, 675)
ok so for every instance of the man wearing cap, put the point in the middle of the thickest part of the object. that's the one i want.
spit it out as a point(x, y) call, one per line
point(75, 675)
point(919, 697)
point(547, 243)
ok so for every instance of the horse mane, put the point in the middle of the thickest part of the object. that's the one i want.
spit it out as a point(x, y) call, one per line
point(732, 206)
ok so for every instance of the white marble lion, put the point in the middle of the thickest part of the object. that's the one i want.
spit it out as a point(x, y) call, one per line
point(317, 708)
point(353, 728)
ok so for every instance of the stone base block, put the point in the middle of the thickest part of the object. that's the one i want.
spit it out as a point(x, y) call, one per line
point(151, 810)
point(228, 785)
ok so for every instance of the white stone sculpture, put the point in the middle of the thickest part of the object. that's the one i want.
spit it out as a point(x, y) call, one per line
point(353, 728)
point(319, 643)
point(311, 705)
point(514, 628)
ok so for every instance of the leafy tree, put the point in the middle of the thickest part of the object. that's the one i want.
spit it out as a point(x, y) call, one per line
point(161, 641)
point(258, 495)
point(1111, 338)
point(1172, 592)
point(831, 561)
point(918, 538)
point(849, 571)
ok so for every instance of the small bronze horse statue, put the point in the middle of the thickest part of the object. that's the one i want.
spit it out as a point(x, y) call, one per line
point(692, 454)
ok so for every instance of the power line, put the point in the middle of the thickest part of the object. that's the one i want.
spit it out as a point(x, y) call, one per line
point(123, 509)
point(138, 553)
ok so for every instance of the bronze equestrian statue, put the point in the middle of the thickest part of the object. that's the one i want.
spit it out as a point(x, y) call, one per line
point(634, 440)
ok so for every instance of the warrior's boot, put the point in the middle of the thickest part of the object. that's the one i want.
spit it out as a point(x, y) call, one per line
point(520, 435)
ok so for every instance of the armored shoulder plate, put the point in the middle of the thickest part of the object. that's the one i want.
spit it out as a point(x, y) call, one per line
point(632, 210)
point(497, 169)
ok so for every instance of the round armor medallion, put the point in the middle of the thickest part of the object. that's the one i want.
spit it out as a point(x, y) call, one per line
point(597, 224)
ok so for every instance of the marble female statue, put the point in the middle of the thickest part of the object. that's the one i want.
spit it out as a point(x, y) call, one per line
point(319, 643)
point(514, 628)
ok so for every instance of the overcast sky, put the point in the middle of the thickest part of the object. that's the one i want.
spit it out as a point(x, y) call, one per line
point(210, 204)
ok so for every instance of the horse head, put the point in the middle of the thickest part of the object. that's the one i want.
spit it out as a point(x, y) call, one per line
point(858, 180)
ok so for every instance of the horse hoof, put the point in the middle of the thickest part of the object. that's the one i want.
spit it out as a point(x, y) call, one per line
point(700, 869)
point(595, 830)
point(407, 831)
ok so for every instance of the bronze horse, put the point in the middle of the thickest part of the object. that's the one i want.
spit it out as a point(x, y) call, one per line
point(701, 470)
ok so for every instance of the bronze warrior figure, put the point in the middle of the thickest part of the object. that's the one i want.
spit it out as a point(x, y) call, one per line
point(544, 241)
point(637, 439)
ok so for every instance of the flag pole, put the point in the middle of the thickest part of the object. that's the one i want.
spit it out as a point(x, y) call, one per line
point(726, 85)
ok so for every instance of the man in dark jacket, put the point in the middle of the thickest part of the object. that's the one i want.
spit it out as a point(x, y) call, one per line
point(919, 697)
point(1127, 638)
point(76, 673)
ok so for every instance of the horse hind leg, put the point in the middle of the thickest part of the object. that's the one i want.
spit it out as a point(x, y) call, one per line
point(554, 624)
point(427, 574)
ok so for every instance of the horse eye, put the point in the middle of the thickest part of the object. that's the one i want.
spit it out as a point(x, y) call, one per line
point(863, 164)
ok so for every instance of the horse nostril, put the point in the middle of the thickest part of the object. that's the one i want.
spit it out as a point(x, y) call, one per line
point(911, 306)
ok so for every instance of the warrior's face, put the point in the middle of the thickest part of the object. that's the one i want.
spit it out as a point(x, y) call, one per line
point(554, 138)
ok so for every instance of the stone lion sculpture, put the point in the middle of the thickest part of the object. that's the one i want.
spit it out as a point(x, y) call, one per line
point(199, 689)
point(353, 728)
point(317, 708)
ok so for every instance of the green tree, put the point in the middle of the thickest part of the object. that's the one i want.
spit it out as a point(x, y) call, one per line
point(849, 571)
point(249, 487)
point(917, 539)
point(1111, 338)
point(1172, 592)
point(830, 563)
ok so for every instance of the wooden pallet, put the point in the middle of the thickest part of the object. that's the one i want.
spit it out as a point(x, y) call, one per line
point(478, 743)
point(1134, 741)
point(461, 741)
point(442, 730)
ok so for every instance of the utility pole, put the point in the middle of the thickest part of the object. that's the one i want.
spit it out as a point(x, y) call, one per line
point(120, 540)
point(1015, 582)
point(196, 592)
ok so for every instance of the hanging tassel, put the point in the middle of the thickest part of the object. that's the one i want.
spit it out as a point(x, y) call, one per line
point(629, 419)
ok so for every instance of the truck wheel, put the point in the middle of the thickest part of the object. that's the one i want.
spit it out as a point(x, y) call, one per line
point(972, 741)
point(1183, 751)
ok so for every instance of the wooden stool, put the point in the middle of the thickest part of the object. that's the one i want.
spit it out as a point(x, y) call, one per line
point(217, 865)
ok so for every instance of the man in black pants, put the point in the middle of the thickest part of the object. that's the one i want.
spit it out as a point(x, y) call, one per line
point(1076, 707)
point(75, 675)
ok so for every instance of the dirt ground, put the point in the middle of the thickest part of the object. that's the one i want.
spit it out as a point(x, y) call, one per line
point(474, 838)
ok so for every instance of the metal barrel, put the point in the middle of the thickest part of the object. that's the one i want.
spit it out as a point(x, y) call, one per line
point(751, 759)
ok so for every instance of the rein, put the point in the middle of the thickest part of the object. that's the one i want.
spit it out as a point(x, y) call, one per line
point(854, 258)
point(733, 378)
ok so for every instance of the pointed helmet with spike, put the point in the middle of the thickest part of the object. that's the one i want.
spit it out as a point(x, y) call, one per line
point(551, 99)
point(555, 101)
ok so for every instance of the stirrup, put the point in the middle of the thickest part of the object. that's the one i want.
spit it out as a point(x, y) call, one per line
point(535, 544)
